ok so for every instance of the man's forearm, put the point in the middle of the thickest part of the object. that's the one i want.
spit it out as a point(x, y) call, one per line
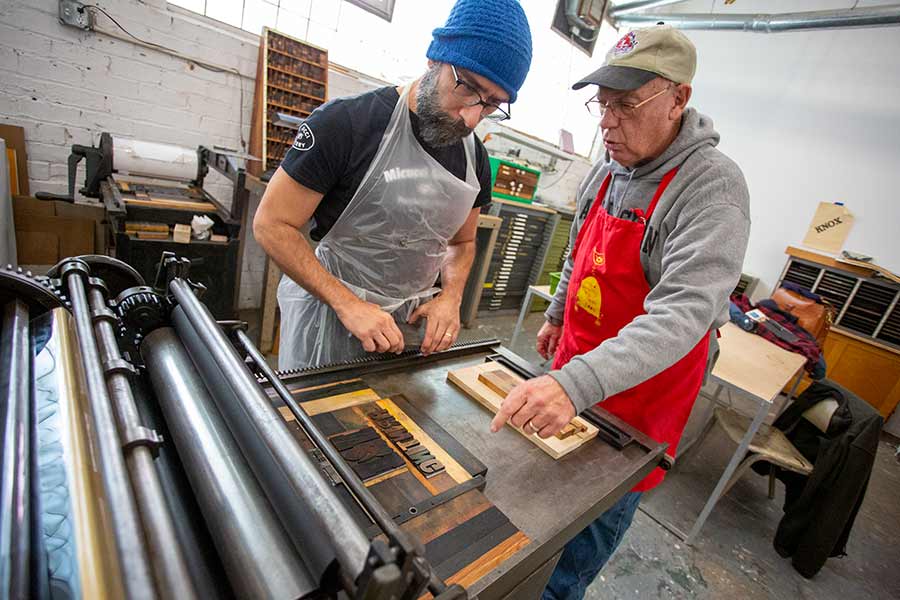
point(294, 256)
point(456, 267)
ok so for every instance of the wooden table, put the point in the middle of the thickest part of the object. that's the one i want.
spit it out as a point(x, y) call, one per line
point(757, 368)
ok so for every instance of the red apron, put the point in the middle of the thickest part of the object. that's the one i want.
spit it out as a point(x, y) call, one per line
point(606, 292)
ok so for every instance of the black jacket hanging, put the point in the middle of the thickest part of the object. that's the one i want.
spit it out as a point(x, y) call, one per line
point(819, 510)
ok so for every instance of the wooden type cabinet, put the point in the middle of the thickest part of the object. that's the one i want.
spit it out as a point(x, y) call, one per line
point(862, 350)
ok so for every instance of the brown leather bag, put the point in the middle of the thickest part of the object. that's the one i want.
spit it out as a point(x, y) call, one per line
point(812, 316)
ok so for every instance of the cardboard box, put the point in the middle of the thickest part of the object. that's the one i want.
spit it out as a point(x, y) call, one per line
point(47, 232)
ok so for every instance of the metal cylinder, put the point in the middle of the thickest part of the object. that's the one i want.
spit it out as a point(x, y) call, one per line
point(372, 506)
point(172, 575)
point(869, 16)
point(259, 558)
point(15, 506)
point(204, 563)
point(307, 505)
point(122, 510)
point(623, 8)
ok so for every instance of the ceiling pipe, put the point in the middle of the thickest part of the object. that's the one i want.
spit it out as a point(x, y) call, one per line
point(873, 16)
point(630, 7)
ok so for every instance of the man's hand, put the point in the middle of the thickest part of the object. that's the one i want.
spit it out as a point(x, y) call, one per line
point(548, 339)
point(539, 405)
point(372, 326)
point(442, 322)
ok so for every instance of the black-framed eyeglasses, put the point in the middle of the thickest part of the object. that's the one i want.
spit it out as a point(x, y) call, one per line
point(621, 110)
point(472, 97)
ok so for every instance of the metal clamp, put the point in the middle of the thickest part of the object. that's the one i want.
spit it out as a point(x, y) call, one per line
point(666, 462)
point(142, 436)
point(103, 314)
point(118, 366)
point(96, 282)
point(68, 266)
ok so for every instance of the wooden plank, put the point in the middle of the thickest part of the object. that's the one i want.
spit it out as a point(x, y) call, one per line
point(441, 519)
point(879, 270)
point(15, 141)
point(333, 403)
point(258, 118)
point(302, 392)
point(467, 379)
point(269, 306)
point(754, 364)
point(150, 235)
point(172, 204)
point(386, 476)
point(827, 261)
point(490, 561)
point(146, 226)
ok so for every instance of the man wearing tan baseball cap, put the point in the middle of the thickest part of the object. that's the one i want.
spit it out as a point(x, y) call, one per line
point(661, 228)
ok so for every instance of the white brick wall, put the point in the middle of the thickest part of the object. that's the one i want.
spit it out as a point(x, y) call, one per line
point(65, 86)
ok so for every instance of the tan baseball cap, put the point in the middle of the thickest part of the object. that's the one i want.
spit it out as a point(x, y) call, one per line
point(643, 54)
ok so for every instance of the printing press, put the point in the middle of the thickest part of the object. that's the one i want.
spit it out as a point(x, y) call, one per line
point(151, 451)
point(147, 189)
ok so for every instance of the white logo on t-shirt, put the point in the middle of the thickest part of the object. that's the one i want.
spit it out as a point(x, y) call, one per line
point(305, 139)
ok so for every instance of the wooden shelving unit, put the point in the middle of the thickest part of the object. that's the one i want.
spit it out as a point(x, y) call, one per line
point(291, 78)
point(862, 350)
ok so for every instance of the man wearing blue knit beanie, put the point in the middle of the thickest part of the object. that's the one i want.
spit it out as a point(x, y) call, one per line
point(392, 182)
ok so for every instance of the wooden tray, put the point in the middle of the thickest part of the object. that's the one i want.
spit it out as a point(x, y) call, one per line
point(467, 380)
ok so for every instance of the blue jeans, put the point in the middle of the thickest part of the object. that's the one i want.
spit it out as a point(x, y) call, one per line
point(584, 556)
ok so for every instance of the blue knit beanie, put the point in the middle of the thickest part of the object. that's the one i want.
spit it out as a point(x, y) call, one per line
point(488, 37)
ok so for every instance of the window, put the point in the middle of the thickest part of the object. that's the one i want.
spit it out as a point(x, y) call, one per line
point(382, 8)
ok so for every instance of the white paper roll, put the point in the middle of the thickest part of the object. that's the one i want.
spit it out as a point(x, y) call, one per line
point(151, 159)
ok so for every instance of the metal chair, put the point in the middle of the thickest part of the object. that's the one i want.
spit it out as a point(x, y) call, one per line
point(769, 445)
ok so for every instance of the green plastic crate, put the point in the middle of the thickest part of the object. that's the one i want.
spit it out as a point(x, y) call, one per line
point(554, 281)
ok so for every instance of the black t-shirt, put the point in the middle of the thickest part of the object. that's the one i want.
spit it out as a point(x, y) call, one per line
point(336, 144)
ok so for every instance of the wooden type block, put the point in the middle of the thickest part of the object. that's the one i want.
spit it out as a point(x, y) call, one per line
point(500, 381)
point(367, 451)
point(181, 233)
point(374, 468)
point(467, 379)
point(406, 445)
point(328, 424)
point(421, 458)
point(399, 436)
point(571, 429)
point(443, 441)
point(344, 441)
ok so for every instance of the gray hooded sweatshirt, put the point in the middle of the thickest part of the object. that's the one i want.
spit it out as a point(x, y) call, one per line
point(692, 255)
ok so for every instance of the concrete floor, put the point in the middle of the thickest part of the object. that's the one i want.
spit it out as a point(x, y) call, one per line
point(733, 557)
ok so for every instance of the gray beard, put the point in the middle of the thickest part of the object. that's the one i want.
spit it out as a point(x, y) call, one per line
point(436, 127)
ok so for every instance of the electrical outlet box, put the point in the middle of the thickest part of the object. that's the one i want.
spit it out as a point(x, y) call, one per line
point(72, 12)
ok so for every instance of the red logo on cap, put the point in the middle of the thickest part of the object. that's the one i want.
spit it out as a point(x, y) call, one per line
point(626, 44)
